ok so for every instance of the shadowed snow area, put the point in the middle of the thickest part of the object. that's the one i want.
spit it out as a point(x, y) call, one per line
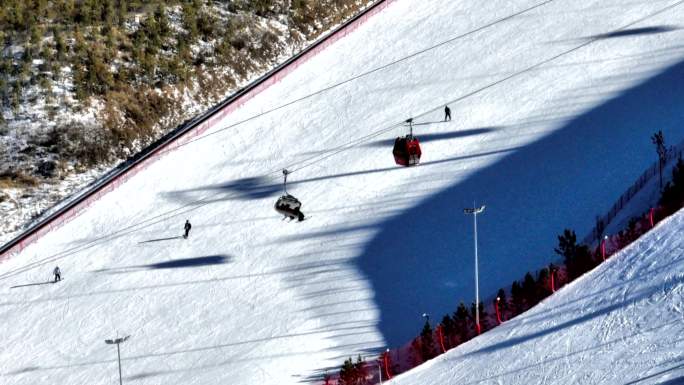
point(549, 127)
point(620, 324)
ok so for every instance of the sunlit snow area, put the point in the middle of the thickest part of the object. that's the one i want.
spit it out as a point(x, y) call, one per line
point(553, 104)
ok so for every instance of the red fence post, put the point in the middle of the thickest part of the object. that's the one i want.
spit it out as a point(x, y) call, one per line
point(603, 247)
point(650, 216)
point(496, 307)
point(387, 364)
point(441, 338)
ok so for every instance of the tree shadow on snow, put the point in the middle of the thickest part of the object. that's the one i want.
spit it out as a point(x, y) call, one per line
point(424, 256)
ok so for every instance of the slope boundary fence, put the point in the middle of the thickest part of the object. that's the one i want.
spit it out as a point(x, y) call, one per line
point(673, 153)
point(181, 135)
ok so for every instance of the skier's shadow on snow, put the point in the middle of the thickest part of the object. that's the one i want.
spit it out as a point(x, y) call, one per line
point(161, 239)
point(424, 256)
point(172, 264)
point(33, 284)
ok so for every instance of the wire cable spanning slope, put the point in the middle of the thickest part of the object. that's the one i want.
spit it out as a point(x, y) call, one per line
point(157, 148)
point(274, 175)
point(371, 71)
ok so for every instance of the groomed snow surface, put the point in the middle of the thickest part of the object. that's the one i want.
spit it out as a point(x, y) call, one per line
point(553, 104)
point(622, 323)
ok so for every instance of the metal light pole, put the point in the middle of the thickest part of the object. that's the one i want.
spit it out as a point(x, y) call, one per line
point(118, 342)
point(475, 211)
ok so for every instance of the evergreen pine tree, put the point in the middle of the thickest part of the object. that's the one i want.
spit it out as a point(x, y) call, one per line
point(543, 288)
point(578, 259)
point(529, 290)
point(348, 373)
point(427, 344)
point(448, 330)
point(361, 370)
point(484, 317)
point(517, 298)
point(672, 197)
point(503, 301)
point(462, 323)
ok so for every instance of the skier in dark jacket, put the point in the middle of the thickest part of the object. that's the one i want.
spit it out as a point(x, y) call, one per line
point(187, 228)
point(57, 273)
point(447, 113)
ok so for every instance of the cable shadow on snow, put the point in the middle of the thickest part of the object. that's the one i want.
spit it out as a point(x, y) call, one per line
point(632, 299)
point(674, 381)
point(303, 268)
point(261, 187)
point(357, 346)
point(425, 255)
point(562, 356)
point(436, 136)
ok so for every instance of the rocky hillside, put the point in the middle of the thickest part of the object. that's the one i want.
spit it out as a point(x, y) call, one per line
point(86, 83)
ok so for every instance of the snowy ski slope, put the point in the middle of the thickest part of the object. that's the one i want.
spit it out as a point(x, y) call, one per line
point(620, 324)
point(553, 103)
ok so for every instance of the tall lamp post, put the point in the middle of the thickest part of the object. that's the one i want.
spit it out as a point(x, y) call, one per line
point(474, 211)
point(118, 342)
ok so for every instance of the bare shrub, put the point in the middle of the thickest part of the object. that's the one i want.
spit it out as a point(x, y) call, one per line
point(16, 179)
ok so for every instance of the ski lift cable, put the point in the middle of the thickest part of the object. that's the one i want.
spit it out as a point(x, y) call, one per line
point(198, 203)
point(363, 74)
point(311, 161)
point(334, 151)
point(493, 84)
point(126, 230)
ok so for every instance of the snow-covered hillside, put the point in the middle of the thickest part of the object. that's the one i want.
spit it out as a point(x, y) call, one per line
point(66, 117)
point(620, 324)
point(553, 104)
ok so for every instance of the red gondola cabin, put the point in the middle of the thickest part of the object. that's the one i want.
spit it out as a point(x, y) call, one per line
point(407, 151)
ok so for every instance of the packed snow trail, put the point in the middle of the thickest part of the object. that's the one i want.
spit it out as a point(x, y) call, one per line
point(620, 324)
point(544, 133)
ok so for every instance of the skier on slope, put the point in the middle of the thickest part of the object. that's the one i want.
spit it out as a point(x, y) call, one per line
point(57, 273)
point(447, 113)
point(187, 228)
